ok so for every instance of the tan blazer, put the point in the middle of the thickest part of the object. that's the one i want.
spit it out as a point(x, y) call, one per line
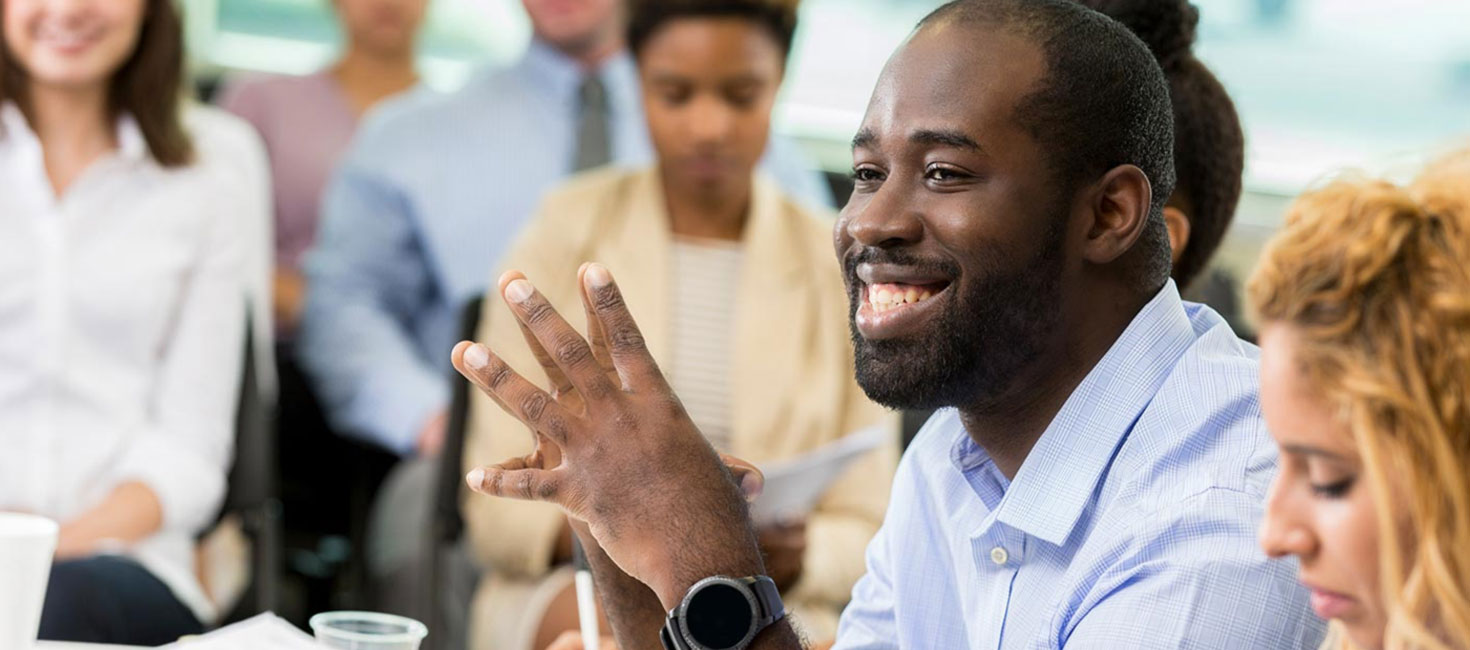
point(793, 387)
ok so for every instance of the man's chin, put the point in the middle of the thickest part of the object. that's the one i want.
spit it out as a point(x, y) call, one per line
point(904, 377)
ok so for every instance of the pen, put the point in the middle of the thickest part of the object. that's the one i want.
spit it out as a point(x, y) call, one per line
point(586, 599)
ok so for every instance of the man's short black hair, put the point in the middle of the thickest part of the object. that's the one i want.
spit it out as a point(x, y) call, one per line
point(1104, 102)
point(1209, 143)
point(778, 17)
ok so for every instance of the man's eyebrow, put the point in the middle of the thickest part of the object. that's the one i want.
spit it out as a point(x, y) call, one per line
point(865, 139)
point(944, 138)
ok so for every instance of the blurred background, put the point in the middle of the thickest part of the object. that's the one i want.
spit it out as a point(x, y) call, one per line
point(1320, 84)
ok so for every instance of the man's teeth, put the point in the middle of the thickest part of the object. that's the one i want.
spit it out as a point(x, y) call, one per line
point(885, 297)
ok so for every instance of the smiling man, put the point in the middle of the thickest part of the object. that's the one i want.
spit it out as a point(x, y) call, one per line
point(1096, 475)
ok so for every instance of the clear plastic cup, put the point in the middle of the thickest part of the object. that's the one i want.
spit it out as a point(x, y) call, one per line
point(368, 631)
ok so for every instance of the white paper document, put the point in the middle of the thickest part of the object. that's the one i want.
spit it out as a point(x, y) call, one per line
point(263, 632)
point(794, 486)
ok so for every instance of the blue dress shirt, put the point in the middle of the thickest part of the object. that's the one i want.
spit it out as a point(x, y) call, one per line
point(428, 197)
point(1131, 524)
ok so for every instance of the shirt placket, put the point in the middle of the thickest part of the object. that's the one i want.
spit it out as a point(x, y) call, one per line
point(997, 554)
point(49, 360)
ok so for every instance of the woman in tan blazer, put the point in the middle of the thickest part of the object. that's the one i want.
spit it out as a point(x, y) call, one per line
point(741, 301)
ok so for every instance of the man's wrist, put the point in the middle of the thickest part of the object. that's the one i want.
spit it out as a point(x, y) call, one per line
point(781, 635)
point(733, 562)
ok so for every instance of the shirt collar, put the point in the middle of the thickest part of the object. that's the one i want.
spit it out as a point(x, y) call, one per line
point(1055, 484)
point(130, 143)
point(14, 127)
point(547, 68)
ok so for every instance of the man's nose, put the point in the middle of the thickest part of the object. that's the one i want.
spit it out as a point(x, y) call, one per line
point(888, 218)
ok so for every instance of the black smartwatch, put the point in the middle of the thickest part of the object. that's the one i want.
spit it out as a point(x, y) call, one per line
point(723, 613)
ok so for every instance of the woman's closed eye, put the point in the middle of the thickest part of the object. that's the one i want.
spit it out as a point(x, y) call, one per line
point(1334, 490)
point(1330, 478)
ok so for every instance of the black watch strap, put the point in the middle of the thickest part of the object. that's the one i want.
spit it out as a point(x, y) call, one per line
point(769, 599)
point(768, 610)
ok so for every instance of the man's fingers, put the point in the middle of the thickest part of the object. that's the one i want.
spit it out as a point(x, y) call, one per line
point(513, 480)
point(568, 350)
point(511, 391)
point(625, 342)
point(560, 385)
point(596, 337)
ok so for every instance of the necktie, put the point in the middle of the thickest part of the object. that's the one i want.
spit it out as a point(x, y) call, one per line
point(594, 147)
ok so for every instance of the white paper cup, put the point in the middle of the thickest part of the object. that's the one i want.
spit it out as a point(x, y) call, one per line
point(368, 631)
point(26, 545)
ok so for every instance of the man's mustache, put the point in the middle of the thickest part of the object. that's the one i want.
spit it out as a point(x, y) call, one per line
point(896, 257)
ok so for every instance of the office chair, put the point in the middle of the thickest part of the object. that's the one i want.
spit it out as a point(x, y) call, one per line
point(252, 492)
point(452, 576)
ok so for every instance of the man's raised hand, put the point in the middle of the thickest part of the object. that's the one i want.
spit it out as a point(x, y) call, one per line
point(615, 447)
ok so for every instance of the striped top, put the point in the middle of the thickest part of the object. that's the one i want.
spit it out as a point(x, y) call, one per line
point(706, 277)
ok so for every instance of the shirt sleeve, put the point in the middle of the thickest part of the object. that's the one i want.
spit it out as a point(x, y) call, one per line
point(367, 278)
point(184, 453)
point(1193, 577)
point(249, 172)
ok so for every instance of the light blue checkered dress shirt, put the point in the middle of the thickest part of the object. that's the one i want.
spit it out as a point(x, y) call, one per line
point(1132, 523)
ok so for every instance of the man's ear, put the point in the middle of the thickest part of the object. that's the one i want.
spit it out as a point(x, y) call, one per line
point(1178, 231)
point(1119, 207)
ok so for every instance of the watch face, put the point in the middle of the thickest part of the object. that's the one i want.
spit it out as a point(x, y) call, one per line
point(719, 616)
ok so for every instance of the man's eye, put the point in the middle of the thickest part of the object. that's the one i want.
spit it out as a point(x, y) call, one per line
point(941, 174)
point(866, 175)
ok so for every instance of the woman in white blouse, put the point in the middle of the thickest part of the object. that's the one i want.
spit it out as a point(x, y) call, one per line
point(129, 225)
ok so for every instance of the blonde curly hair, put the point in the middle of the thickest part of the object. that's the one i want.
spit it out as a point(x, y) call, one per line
point(1374, 278)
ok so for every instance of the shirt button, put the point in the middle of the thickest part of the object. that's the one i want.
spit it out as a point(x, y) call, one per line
point(998, 555)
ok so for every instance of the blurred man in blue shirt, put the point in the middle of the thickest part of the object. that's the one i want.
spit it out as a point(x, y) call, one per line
point(432, 191)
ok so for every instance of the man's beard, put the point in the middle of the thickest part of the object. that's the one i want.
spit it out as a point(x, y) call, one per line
point(980, 341)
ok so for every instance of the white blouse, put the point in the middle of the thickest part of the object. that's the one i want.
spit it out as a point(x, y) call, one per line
point(122, 316)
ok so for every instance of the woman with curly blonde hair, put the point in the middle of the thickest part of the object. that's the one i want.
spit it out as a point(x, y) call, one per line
point(1364, 301)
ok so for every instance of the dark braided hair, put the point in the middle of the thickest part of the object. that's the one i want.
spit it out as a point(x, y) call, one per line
point(1209, 146)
